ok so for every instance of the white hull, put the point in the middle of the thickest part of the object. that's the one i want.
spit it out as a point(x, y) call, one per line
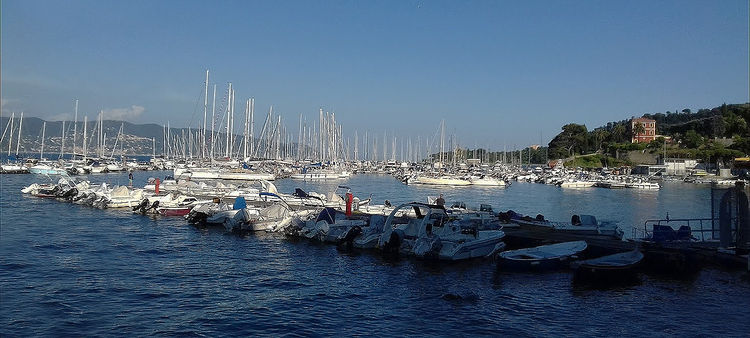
point(320, 176)
point(440, 181)
point(577, 184)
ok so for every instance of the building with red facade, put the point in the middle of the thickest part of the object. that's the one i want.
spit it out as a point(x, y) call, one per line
point(649, 127)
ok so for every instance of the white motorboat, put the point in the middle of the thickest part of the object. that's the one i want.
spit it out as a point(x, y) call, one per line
point(123, 197)
point(487, 182)
point(325, 174)
point(13, 169)
point(47, 169)
point(440, 180)
point(643, 185)
point(577, 184)
point(583, 224)
point(435, 234)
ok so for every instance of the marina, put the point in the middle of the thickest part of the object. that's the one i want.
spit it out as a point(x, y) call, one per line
point(292, 268)
point(374, 168)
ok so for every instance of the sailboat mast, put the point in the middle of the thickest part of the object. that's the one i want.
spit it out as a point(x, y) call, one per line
point(10, 138)
point(213, 118)
point(20, 123)
point(244, 130)
point(252, 125)
point(41, 151)
point(75, 128)
point(85, 123)
point(62, 142)
point(229, 122)
point(205, 113)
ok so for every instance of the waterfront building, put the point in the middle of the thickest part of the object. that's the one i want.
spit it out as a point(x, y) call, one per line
point(649, 130)
point(678, 166)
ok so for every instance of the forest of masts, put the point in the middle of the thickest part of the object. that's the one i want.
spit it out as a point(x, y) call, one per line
point(323, 141)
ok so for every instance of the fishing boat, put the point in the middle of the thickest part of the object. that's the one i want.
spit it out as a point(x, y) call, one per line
point(549, 256)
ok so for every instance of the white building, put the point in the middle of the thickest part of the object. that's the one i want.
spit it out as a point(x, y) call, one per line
point(678, 166)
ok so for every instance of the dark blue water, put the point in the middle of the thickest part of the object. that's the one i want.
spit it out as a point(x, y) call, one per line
point(72, 270)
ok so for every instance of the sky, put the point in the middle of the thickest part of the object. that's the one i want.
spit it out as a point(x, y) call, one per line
point(500, 73)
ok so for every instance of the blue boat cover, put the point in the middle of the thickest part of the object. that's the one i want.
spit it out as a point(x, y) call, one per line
point(239, 203)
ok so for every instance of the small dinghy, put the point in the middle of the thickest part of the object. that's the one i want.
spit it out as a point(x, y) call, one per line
point(608, 267)
point(541, 257)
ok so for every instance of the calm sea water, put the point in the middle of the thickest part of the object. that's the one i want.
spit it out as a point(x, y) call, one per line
point(72, 270)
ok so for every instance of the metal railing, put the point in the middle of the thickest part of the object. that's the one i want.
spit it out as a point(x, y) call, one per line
point(700, 225)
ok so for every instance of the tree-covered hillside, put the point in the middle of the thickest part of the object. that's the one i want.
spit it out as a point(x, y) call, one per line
point(720, 133)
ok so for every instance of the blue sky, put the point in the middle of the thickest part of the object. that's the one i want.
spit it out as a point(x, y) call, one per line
point(498, 72)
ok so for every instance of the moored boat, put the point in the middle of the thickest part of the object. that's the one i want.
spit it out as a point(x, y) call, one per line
point(549, 256)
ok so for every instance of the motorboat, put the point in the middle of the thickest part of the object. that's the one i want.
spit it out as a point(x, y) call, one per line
point(275, 216)
point(549, 256)
point(643, 185)
point(577, 184)
point(439, 180)
point(435, 234)
point(487, 181)
point(11, 168)
point(124, 197)
point(324, 174)
point(579, 224)
point(47, 169)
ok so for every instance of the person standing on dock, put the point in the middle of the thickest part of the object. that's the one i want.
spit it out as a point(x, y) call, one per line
point(130, 178)
point(440, 201)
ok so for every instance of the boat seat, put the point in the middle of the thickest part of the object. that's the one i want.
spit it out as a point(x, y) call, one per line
point(684, 233)
point(663, 233)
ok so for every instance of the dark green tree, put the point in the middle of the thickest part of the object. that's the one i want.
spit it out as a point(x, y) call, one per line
point(692, 139)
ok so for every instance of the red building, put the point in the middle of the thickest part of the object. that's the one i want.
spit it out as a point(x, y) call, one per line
point(649, 127)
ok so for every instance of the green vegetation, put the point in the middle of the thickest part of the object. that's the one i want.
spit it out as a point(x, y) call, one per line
point(718, 134)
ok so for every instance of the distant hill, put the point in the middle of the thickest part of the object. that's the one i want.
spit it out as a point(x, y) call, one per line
point(136, 138)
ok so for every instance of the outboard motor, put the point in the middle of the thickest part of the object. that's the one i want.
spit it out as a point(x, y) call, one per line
point(101, 203)
point(70, 194)
point(57, 191)
point(346, 240)
point(428, 248)
point(152, 207)
point(392, 247)
point(197, 217)
point(141, 207)
point(79, 197)
point(89, 200)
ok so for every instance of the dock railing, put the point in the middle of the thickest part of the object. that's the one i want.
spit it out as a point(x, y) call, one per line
point(699, 225)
